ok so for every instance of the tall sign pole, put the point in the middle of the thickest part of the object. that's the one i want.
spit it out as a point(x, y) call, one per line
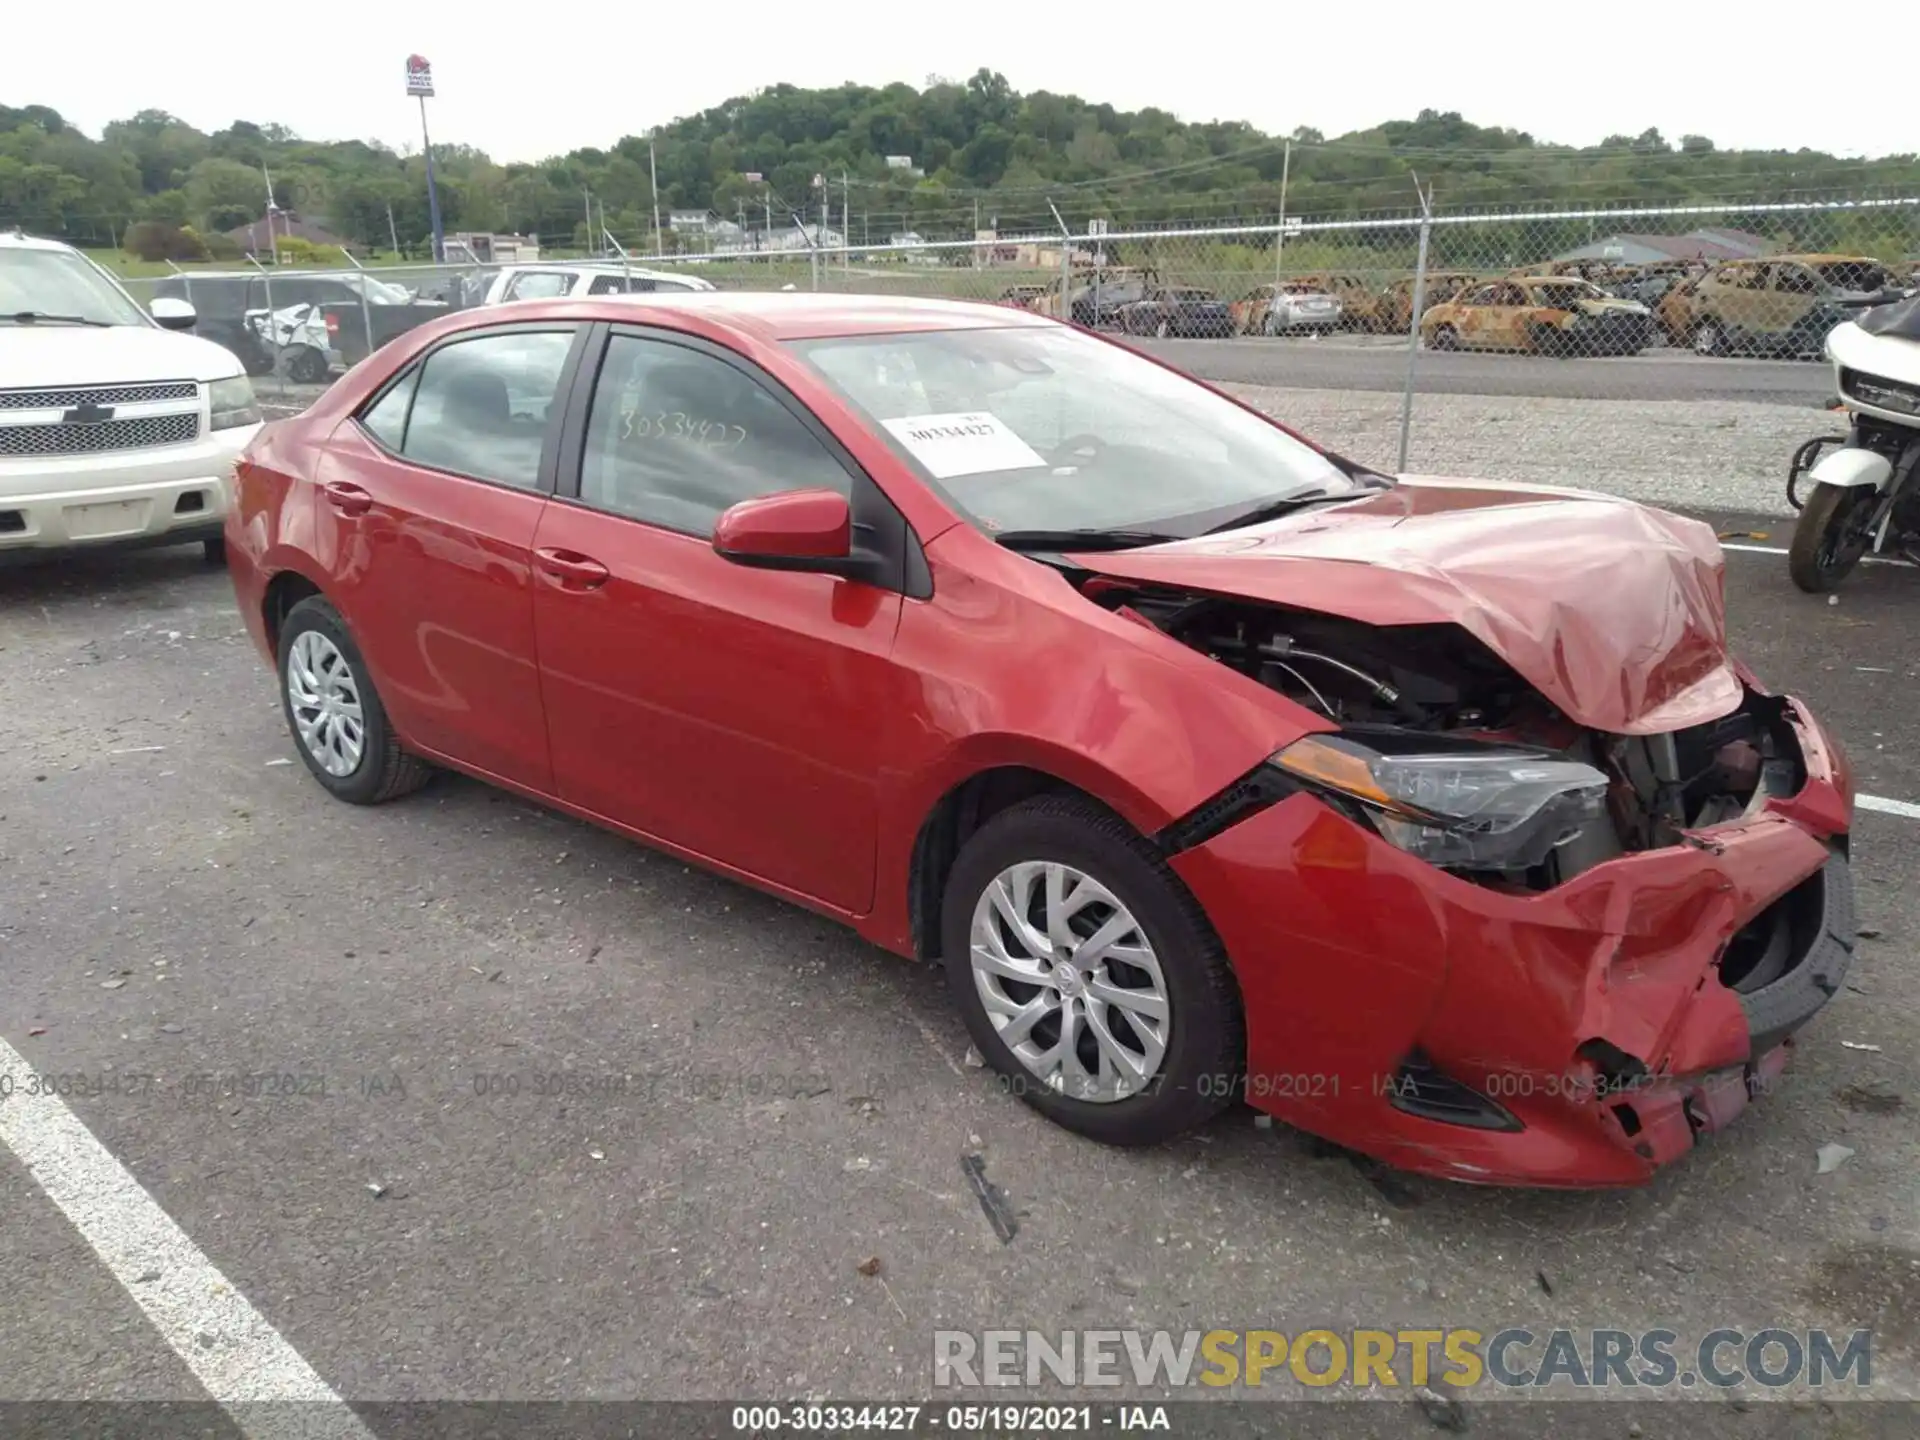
point(420, 84)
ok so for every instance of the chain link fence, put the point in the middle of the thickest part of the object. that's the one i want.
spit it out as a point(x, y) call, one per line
point(1624, 349)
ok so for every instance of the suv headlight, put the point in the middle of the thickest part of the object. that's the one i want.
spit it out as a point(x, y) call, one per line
point(1484, 807)
point(230, 404)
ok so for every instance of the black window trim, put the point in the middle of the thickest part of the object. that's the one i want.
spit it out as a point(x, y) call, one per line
point(880, 530)
point(556, 413)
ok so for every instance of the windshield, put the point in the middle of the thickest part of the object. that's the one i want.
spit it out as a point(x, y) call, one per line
point(1567, 292)
point(59, 282)
point(1049, 429)
point(1861, 275)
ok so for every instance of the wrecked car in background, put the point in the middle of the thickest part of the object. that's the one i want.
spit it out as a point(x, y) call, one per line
point(1186, 312)
point(1785, 305)
point(1288, 308)
point(1542, 316)
point(322, 320)
point(1393, 311)
point(1430, 816)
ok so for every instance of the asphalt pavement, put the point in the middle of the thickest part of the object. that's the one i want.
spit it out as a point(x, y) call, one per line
point(1342, 362)
point(552, 1117)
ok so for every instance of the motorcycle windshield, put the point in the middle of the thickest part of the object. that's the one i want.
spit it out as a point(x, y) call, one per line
point(1900, 320)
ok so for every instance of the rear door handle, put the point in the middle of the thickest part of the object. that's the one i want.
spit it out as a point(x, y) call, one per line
point(347, 498)
point(571, 570)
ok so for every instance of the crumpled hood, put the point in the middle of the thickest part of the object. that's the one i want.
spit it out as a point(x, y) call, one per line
point(1612, 307)
point(1613, 611)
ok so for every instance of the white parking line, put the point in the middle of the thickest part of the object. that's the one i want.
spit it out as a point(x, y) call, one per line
point(1881, 803)
point(245, 1365)
point(1779, 550)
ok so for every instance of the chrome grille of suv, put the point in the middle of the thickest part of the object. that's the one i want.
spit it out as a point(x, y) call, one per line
point(66, 399)
point(146, 432)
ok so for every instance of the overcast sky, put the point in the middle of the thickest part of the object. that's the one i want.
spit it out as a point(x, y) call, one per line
point(525, 82)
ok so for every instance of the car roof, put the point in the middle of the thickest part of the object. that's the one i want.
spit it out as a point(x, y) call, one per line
point(20, 240)
point(781, 315)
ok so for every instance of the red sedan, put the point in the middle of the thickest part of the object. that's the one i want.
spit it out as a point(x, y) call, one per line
point(1431, 817)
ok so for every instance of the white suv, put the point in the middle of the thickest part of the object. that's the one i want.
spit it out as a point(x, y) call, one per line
point(113, 431)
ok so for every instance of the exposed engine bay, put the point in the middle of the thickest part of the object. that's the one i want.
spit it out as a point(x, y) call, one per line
point(1414, 695)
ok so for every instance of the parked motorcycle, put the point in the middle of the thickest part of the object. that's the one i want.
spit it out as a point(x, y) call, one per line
point(1866, 489)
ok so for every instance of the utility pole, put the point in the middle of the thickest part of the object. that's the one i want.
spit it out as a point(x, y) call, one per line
point(393, 234)
point(767, 233)
point(653, 170)
point(588, 237)
point(846, 223)
point(1280, 236)
point(976, 232)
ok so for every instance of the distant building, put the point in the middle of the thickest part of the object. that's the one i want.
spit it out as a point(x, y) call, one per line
point(283, 224)
point(1703, 244)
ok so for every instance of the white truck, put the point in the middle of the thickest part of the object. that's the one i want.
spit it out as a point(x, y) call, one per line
point(556, 280)
point(114, 430)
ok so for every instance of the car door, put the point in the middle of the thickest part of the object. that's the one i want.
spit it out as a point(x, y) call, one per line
point(734, 712)
point(430, 497)
point(1476, 318)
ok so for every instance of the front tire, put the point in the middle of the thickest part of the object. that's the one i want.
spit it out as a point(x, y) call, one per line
point(1446, 338)
point(1709, 339)
point(1088, 975)
point(1830, 536)
point(334, 714)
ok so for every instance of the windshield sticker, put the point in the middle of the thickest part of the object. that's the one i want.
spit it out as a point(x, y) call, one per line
point(964, 444)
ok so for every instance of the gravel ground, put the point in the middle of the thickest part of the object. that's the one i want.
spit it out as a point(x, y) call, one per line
point(1682, 454)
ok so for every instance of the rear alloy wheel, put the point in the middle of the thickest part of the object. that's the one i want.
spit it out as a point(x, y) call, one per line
point(1833, 532)
point(307, 366)
point(1088, 976)
point(335, 715)
point(1709, 339)
point(1445, 337)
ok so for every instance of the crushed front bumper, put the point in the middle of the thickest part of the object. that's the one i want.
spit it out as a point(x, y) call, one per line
point(1580, 1036)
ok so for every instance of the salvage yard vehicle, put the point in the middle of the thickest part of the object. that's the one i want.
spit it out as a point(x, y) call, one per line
point(233, 305)
point(1186, 311)
point(1393, 311)
point(1866, 484)
point(1021, 297)
point(1357, 297)
point(557, 280)
point(1285, 309)
point(1432, 817)
point(1544, 316)
point(113, 431)
point(1785, 305)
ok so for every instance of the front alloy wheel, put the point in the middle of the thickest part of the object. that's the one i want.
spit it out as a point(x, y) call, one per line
point(323, 697)
point(1069, 981)
point(1089, 977)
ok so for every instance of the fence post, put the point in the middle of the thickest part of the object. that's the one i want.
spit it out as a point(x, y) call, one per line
point(1413, 324)
point(271, 342)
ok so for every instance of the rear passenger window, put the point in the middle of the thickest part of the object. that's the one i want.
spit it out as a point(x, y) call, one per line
point(677, 436)
point(482, 406)
point(386, 419)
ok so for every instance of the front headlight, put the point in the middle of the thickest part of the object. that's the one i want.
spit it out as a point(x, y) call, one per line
point(1483, 807)
point(230, 404)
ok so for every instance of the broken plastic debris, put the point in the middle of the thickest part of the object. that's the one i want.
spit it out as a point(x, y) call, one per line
point(280, 762)
point(1831, 1158)
point(1859, 1045)
point(596, 1154)
point(857, 1164)
point(974, 1059)
point(111, 984)
point(869, 1266)
point(1263, 1122)
point(1444, 1411)
point(993, 1200)
point(376, 1189)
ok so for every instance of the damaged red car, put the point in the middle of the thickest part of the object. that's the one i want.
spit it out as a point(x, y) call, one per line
point(1432, 817)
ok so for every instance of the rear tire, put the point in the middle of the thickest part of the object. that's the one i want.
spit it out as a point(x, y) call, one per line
point(307, 366)
point(381, 768)
point(1198, 1071)
point(1825, 546)
point(214, 551)
point(1709, 338)
point(1445, 337)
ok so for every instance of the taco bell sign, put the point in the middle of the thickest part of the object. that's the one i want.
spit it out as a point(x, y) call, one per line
point(419, 76)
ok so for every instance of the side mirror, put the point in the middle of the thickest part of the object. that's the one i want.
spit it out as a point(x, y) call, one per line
point(794, 530)
point(171, 314)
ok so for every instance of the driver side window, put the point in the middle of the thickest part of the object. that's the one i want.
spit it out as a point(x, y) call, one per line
point(676, 436)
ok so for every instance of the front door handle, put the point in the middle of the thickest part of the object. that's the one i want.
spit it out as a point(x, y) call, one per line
point(571, 570)
point(347, 498)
